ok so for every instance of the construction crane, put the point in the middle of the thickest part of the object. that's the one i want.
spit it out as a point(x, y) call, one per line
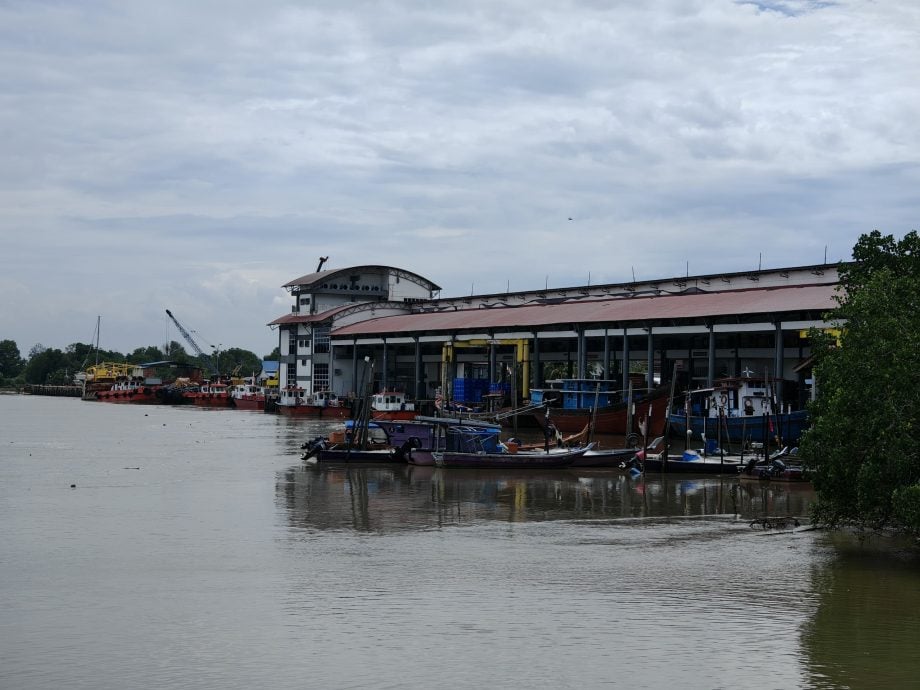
point(207, 359)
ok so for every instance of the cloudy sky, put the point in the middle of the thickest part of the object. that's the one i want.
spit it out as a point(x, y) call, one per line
point(197, 155)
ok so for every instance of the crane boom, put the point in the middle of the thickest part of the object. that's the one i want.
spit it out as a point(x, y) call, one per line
point(191, 341)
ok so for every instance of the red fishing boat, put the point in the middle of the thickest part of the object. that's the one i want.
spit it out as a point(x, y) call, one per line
point(247, 396)
point(211, 395)
point(132, 391)
point(391, 405)
point(293, 402)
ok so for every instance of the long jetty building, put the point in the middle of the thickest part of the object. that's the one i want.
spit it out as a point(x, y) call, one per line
point(386, 328)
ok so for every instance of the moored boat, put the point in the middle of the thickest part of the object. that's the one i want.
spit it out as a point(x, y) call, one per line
point(740, 410)
point(688, 462)
point(593, 401)
point(211, 395)
point(294, 402)
point(131, 391)
point(430, 434)
point(247, 396)
point(775, 469)
point(509, 458)
point(391, 405)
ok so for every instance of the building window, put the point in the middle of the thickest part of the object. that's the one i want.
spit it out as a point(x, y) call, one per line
point(292, 343)
point(303, 342)
point(291, 378)
point(321, 339)
point(320, 377)
point(305, 300)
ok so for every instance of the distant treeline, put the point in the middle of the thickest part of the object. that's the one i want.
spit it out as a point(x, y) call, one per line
point(51, 366)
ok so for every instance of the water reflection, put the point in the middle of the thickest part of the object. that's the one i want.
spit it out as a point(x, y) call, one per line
point(398, 497)
point(865, 629)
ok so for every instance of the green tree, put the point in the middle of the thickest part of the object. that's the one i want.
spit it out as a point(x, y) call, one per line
point(233, 357)
point(273, 356)
point(11, 362)
point(48, 366)
point(862, 446)
point(151, 353)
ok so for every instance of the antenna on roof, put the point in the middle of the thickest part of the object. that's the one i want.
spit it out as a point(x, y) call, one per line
point(825, 254)
point(322, 260)
point(634, 273)
point(759, 258)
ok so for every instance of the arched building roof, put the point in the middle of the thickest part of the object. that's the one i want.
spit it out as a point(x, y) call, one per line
point(313, 279)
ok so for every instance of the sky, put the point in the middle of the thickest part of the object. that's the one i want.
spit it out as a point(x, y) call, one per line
point(197, 155)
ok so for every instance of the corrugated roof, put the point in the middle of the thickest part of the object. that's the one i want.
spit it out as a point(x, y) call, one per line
point(696, 305)
point(309, 318)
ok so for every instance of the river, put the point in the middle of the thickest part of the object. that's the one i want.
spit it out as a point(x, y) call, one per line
point(157, 546)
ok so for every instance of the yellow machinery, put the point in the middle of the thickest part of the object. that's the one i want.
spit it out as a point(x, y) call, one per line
point(522, 357)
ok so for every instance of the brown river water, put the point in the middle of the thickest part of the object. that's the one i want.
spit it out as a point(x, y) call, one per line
point(196, 550)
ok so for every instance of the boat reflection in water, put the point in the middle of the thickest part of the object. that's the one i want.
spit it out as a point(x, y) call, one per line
point(399, 497)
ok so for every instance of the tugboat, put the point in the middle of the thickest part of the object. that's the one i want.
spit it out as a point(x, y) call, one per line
point(391, 405)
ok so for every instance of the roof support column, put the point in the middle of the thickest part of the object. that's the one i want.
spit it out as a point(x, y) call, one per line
point(606, 354)
point(493, 368)
point(537, 373)
point(383, 369)
point(418, 369)
point(582, 356)
point(711, 368)
point(778, 363)
point(650, 360)
point(354, 365)
point(625, 360)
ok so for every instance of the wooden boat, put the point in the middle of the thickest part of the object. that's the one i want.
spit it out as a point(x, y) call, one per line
point(688, 462)
point(428, 434)
point(774, 470)
point(595, 402)
point(335, 445)
point(293, 402)
point(606, 457)
point(532, 459)
point(739, 410)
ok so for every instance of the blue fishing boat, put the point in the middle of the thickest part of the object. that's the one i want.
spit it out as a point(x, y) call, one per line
point(738, 410)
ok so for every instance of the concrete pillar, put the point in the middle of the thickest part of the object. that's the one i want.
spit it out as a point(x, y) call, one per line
point(625, 361)
point(711, 370)
point(778, 361)
point(354, 366)
point(419, 392)
point(383, 369)
point(606, 354)
point(537, 372)
point(582, 358)
point(650, 359)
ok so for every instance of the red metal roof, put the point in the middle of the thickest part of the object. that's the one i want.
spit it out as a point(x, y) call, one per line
point(697, 305)
point(308, 318)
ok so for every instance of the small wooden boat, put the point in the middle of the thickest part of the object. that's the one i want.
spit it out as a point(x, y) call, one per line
point(773, 470)
point(509, 459)
point(606, 457)
point(688, 462)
